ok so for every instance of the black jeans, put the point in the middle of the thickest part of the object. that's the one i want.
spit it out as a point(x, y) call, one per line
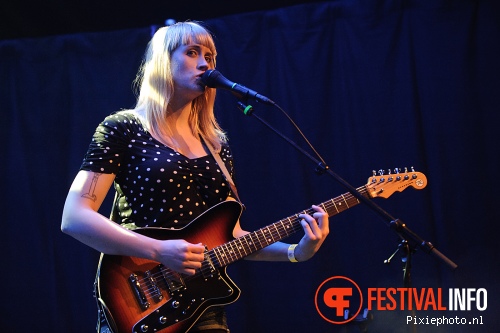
point(212, 321)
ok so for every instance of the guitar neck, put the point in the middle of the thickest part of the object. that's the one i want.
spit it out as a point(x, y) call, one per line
point(243, 246)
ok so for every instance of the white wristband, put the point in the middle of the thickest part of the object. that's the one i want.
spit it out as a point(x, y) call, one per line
point(291, 253)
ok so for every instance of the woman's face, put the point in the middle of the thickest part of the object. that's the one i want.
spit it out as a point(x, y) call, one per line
point(189, 62)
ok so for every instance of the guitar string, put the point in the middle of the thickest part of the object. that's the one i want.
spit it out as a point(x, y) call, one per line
point(279, 233)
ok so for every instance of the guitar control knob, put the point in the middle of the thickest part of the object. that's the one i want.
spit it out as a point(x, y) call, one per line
point(163, 320)
point(144, 328)
point(175, 304)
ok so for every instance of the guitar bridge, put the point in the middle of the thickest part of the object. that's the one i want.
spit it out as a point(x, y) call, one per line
point(138, 291)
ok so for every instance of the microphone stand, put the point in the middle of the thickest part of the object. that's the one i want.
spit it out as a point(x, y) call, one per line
point(409, 239)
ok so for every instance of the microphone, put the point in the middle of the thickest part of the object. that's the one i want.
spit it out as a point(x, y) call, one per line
point(214, 79)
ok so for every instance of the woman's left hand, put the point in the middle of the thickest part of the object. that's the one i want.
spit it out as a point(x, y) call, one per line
point(316, 228)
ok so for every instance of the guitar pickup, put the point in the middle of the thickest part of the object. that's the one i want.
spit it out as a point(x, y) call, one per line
point(138, 291)
point(155, 290)
point(172, 279)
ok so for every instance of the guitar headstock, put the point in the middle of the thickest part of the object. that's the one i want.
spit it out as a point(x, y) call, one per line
point(384, 185)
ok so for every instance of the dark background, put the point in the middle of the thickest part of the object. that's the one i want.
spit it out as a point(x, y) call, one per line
point(373, 85)
point(21, 19)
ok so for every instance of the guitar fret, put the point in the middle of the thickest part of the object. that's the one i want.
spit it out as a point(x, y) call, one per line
point(232, 253)
point(268, 240)
point(227, 252)
point(265, 234)
point(251, 242)
point(353, 201)
point(339, 205)
point(284, 228)
point(256, 240)
point(343, 197)
point(261, 237)
point(237, 252)
point(322, 205)
point(294, 226)
point(221, 256)
point(334, 205)
point(219, 260)
point(214, 258)
point(278, 235)
point(241, 247)
point(284, 232)
point(248, 244)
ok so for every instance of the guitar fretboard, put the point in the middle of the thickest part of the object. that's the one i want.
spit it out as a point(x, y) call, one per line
point(243, 246)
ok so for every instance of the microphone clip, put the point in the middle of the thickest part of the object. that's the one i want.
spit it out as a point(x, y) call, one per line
point(246, 109)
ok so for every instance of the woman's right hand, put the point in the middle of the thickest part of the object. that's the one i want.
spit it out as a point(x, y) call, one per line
point(180, 255)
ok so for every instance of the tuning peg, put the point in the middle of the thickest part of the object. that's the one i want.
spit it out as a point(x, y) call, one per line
point(414, 176)
point(381, 172)
point(390, 179)
point(396, 171)
point(406, 176)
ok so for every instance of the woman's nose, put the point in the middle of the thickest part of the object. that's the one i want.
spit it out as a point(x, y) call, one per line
point(203, 64)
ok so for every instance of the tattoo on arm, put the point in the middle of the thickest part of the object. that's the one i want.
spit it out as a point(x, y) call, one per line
point(91, 191)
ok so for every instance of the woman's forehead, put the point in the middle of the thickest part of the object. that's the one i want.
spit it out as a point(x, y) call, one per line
point(199, 39)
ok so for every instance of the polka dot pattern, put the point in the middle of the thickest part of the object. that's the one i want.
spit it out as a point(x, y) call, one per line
point(156, 186)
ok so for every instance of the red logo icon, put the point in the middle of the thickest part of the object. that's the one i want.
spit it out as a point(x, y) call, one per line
point(336, 295)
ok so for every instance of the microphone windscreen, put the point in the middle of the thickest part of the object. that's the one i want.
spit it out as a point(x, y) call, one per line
point(209, 78)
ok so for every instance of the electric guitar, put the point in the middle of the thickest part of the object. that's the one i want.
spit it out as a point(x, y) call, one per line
point(139, 295)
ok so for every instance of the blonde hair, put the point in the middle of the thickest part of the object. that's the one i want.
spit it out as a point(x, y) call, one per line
point(155, 83)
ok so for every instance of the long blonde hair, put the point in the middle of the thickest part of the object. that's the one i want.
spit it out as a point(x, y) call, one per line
point(155, 82)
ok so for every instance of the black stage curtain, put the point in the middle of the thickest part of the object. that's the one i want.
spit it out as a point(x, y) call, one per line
point(373, 85)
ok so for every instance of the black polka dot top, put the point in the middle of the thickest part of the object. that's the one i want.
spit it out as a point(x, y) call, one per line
point(155, 185)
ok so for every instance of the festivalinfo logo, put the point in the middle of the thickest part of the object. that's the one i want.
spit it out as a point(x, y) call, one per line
point(338, 295)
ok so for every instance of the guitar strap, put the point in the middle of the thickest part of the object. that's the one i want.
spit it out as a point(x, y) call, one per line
point(222, 166)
